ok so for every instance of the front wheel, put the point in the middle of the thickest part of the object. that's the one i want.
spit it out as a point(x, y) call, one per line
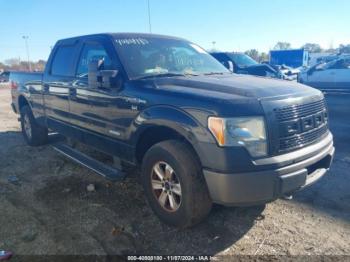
point(33, 134)
point(174, 184)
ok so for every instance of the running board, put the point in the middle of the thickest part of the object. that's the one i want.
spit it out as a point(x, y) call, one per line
point(87, 161)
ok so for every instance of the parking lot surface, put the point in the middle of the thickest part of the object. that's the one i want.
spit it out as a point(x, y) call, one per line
point(47, 209)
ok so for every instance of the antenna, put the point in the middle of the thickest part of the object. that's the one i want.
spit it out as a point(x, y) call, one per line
point(25, 37)
point(149, 17)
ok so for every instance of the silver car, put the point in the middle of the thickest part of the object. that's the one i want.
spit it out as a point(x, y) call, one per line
point(331, 76)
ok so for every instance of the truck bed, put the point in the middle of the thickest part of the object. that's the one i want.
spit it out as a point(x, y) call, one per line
point(26, 83)
point(23, 78)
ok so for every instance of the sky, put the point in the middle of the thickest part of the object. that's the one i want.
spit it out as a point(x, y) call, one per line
point(235, 25)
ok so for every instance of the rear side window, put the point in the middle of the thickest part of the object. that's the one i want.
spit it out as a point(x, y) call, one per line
point(92, 52)
point(63, 61)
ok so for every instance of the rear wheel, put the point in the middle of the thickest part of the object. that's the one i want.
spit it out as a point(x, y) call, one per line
point(174, 184)
point(33, 134)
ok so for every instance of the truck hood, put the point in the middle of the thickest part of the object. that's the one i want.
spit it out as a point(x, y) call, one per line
point(233, 86)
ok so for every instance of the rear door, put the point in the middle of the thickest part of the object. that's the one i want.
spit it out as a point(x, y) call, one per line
point(58, 80)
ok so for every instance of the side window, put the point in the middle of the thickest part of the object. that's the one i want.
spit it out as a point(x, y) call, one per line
point(92, 52)
point(341, 64)
point(63, 60)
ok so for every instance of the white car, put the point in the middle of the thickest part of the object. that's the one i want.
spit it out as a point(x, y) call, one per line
point(290, 73)
point(331, 76)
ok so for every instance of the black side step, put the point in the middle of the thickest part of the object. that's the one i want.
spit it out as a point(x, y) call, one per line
point(95, 165)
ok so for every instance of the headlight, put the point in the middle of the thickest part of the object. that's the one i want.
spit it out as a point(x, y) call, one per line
point(248, 132)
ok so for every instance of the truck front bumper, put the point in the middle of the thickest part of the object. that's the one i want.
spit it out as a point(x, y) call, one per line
point(288, 175)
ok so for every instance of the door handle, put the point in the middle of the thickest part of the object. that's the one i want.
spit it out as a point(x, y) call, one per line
point(72, 92)
point(46, 87)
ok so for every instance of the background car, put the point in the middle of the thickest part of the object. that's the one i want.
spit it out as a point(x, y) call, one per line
point(4, 76)
point(331, 76)
point(286, 72)
point(240, 63)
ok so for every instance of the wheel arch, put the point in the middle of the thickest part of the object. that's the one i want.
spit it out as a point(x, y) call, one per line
point(23, 101)
point(164, 123)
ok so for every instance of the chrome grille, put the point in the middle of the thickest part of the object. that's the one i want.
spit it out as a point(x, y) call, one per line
point(295, 142)
point(296, 111)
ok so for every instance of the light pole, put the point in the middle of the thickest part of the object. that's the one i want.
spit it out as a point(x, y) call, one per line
point(149, 17)
point(214, 42)
point(25, 37)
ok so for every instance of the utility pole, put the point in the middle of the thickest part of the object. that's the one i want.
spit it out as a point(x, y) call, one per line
point(149, 17)
point(214, 42)
point(25, 37)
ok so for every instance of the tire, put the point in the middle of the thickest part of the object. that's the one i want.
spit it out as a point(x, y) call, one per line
point(194, 204)
point(33, 134)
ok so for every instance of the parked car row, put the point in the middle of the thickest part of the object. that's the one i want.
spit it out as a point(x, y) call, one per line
point(240, 63)
point(331, 74)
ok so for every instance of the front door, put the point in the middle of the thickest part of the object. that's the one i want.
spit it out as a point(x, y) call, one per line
point(98, 109)
point(342, 75)
point(322, 77)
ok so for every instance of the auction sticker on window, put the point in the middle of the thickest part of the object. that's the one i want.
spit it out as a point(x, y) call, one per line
point(198, 49)
point(132, 41)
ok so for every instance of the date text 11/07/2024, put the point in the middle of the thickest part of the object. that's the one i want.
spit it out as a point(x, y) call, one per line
point(171, 258)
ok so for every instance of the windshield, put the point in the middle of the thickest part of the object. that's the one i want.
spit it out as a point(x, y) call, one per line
point(242, 60)
point(152, 56)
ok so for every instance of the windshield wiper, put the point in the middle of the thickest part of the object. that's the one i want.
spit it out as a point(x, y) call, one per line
point(164, 75)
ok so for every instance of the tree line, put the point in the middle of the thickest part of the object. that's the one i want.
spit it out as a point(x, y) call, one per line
point(15, 64)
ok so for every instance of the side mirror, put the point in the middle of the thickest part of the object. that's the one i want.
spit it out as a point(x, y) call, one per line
point(229, 65)
point(101, 78)
point(92, 74)
point(108, 78)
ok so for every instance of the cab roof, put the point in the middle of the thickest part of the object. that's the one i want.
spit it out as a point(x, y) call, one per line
point(121, 35)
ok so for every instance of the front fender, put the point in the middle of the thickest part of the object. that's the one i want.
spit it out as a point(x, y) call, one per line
point(175, 119)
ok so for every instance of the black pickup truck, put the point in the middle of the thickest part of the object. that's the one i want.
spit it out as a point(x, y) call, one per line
point(199, 133)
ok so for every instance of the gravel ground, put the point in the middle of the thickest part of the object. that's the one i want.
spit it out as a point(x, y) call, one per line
point(49, 211)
